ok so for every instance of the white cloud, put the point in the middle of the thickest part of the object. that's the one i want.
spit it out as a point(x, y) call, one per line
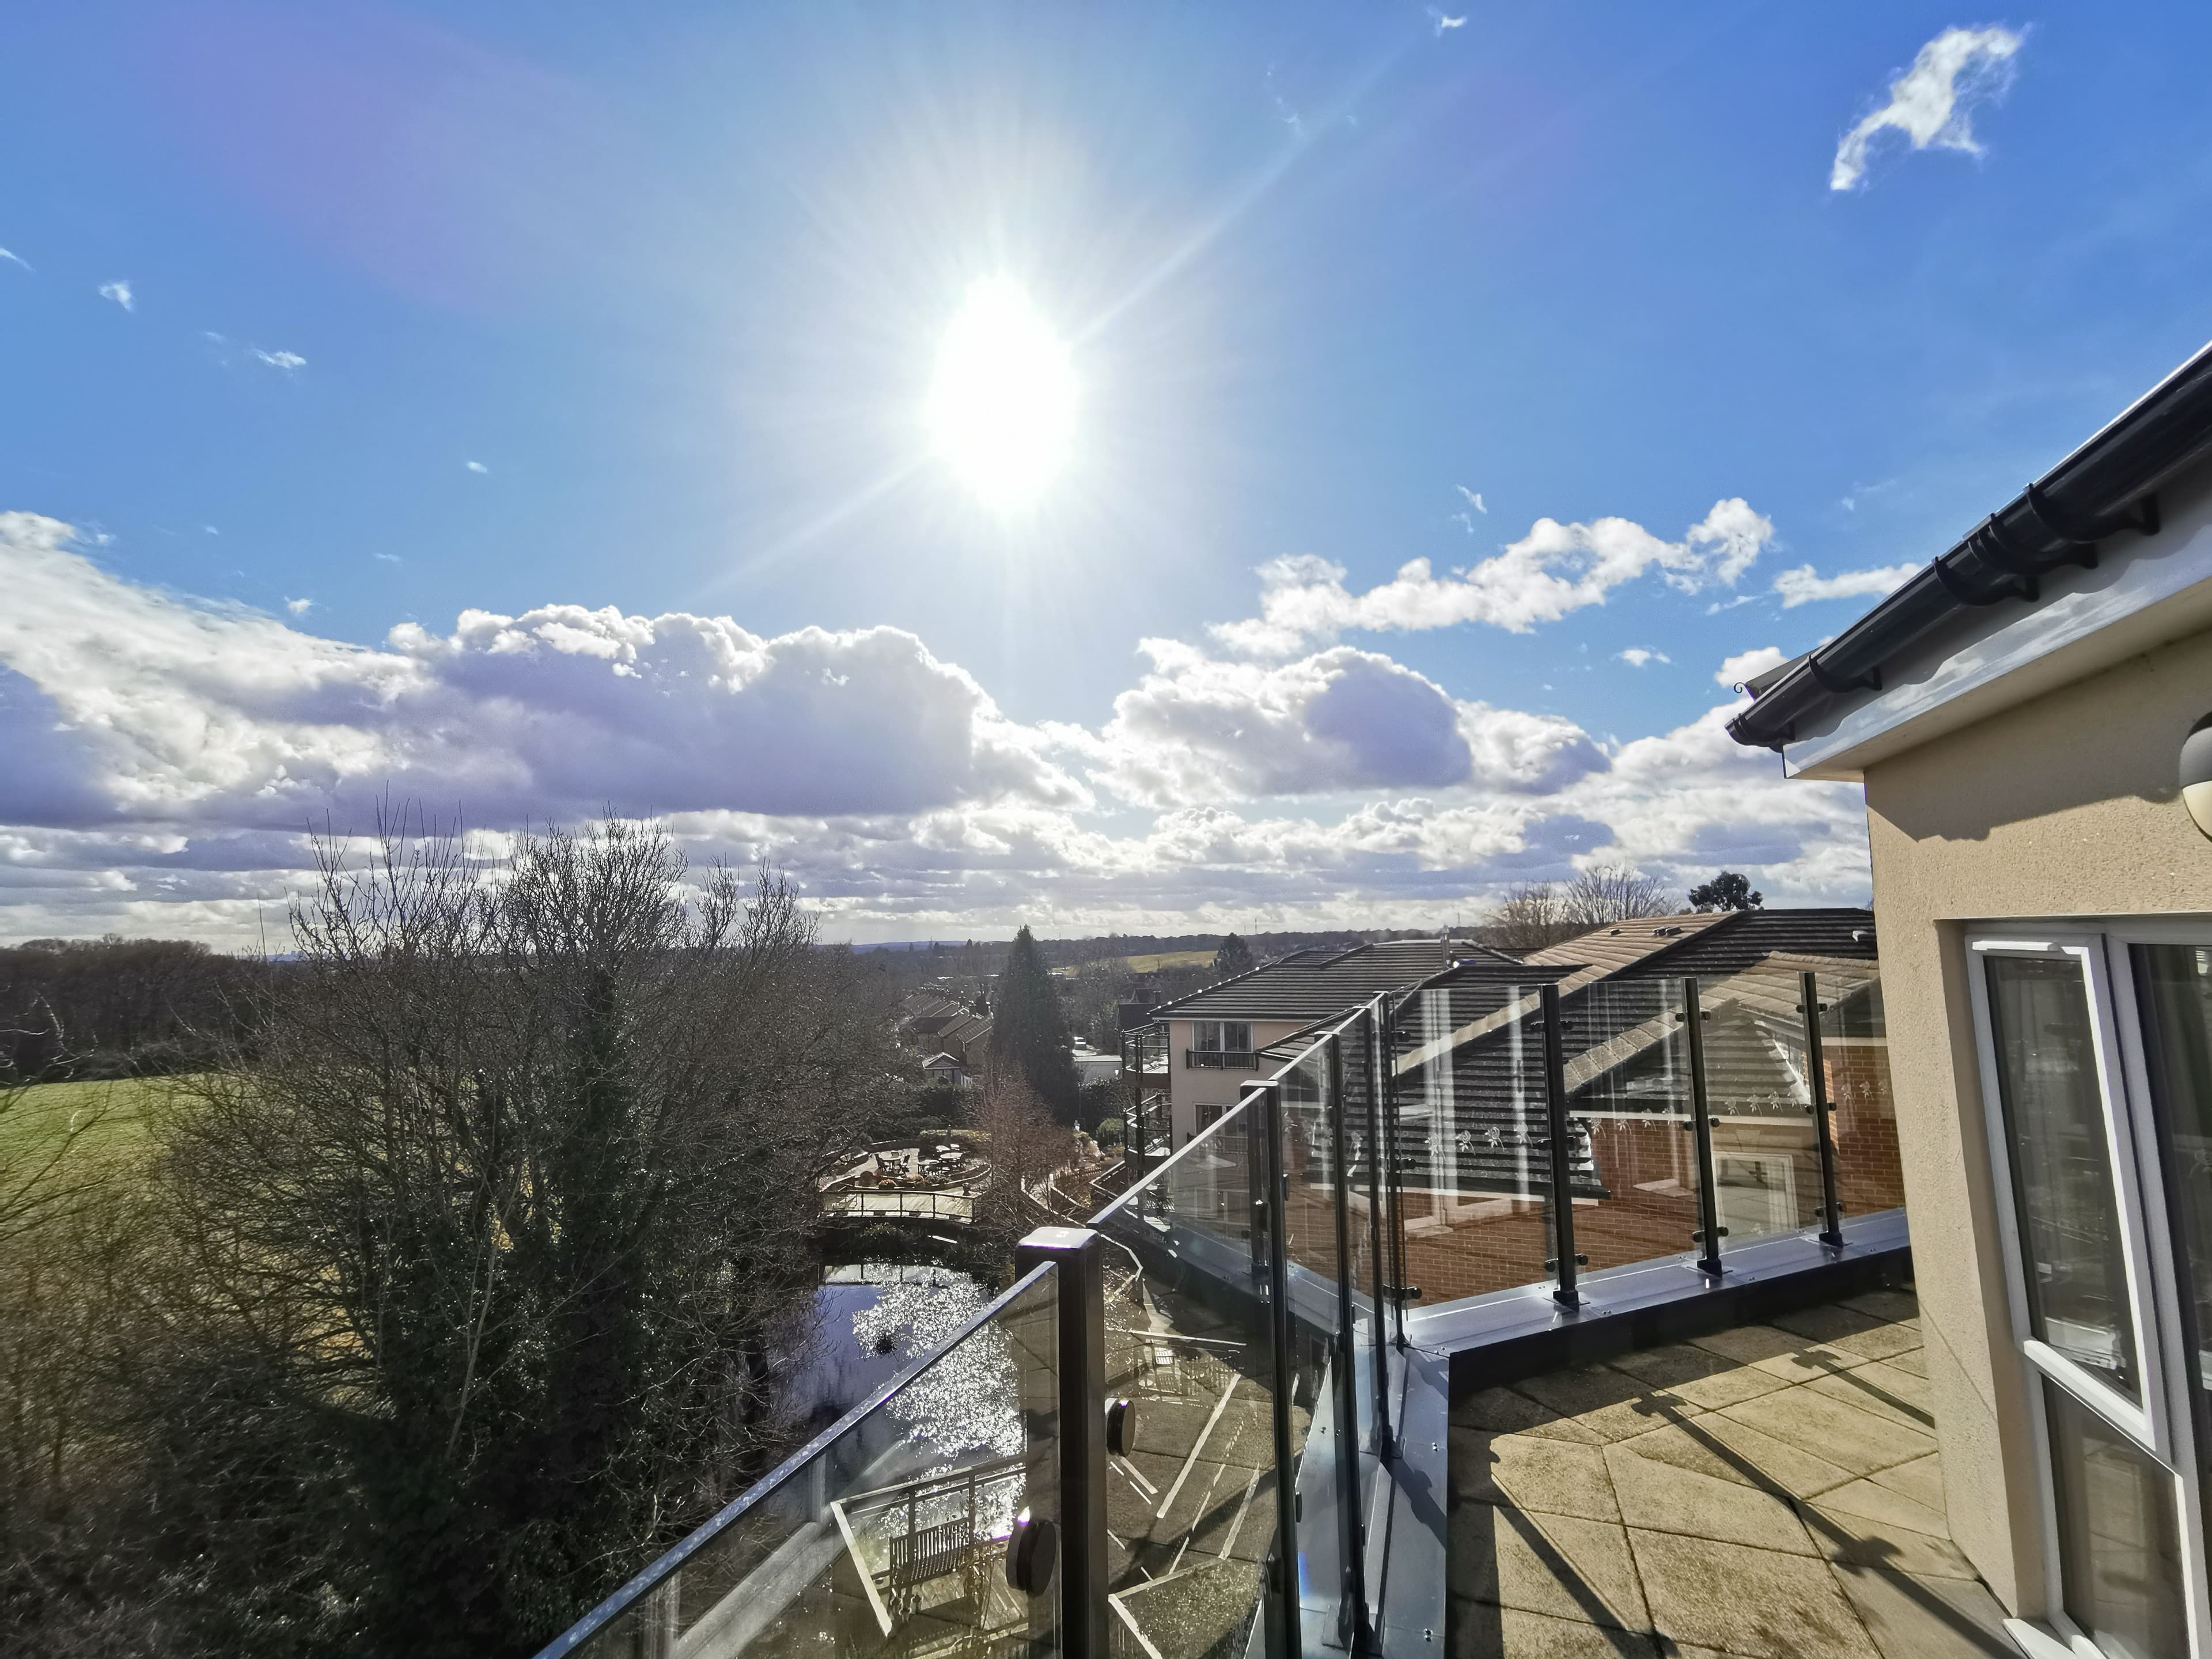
point(1743, 666)
point(1804, 585)
point(15, 258)
point(1473, 499)
point(119, 291)
point(1195, 729)
point(1638, 656)
point(166, 755)
point(1553, 570)
point(286, 360)
point(476, 466)
point(1932, 102)
point(1442, 22)
point(179, 711)
point(299, 607)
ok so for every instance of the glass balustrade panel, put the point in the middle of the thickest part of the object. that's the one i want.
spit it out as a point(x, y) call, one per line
point(1854, 1059)
point(928, 1522)
point(1190, 1484)
point(1766, 1164)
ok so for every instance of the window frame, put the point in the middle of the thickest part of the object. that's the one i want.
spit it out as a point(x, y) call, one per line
point(2139, 1420)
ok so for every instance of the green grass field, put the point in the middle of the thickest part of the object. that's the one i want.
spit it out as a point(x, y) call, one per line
point(112, 1117)
point(1168, 959)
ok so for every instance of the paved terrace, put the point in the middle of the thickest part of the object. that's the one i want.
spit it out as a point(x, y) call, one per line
point(1772, 1492)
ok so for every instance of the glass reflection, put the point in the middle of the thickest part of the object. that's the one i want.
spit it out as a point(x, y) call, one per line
point(2062, 1168)
point(2119, 1551)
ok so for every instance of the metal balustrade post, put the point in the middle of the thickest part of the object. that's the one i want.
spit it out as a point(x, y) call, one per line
point(1709, 1231)
point(1816, 1082)
point(1281, 1333)
point(1078, 1259)
point(1258, 1098)
point(1351, 1629)
point(1378, 1071)
point(1565, 1263)
point(1394, 1191)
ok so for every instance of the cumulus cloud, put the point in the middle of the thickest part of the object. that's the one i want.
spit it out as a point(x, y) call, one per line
point(216, 715)
point(476, 466)
point(1804, 585)
point(119, 291)
point(1638, 656)
point(1554, 570)
point(1196, 729)
point(286, 360)
point(1932, 102)
point(1691, 800)
point(1750, 664)
point(299, 607)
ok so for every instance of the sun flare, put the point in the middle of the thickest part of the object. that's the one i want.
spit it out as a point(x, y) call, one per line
point(1001, 409)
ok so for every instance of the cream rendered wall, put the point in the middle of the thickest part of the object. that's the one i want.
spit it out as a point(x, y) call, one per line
point(2065, 806)
point(1189, 1089)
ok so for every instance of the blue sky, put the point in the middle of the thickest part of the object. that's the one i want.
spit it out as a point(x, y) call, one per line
point(674, 280)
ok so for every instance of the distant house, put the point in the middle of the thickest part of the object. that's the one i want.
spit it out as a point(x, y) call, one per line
point(947, 1031)
point(1214, 1036)
point(945, 1071)
point(1092, 1066)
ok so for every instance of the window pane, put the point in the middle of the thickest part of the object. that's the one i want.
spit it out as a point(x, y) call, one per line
point(1206, 1036)
point(2119, 1553)
point(2054, 1114)
point(2173, 983)
point(1237, 1035)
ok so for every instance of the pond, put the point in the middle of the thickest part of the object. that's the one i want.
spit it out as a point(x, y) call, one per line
point(871, 1321)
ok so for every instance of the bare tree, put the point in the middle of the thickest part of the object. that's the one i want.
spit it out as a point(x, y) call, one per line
point(1026, 1147)
point(1531, 918)
point(482, 1254)
point(1608, 893)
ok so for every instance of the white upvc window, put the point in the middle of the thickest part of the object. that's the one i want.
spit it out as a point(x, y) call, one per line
point(2082, 1145)
point(1216, 1037)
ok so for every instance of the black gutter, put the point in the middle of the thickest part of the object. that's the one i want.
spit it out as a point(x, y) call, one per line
point(2101, 489)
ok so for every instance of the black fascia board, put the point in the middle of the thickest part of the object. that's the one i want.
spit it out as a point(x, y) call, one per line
point(2104, 487)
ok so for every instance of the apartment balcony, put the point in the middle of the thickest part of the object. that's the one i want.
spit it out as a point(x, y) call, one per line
point(1145, 1052)
point(1482, 1325)
point(1221, 1059)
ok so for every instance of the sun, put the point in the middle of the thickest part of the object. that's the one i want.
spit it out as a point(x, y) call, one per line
point(1001, 409)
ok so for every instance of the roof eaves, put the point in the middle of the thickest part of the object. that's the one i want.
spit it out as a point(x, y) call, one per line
point(2105, 485)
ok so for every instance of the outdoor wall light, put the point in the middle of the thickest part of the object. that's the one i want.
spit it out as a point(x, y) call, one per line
point(2197, 774)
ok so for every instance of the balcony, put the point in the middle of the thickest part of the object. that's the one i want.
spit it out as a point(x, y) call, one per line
point(1619, 1276)
point(1221, 1059)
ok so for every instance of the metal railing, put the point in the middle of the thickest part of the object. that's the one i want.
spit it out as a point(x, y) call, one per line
point(1195, 1393)
point(1224, 1059)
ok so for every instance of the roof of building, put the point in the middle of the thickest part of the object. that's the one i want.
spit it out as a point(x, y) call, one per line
point(1619, 945)
point(1313, 984)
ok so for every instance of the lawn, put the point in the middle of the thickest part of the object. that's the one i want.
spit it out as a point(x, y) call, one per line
point(1168, 959)
point(111, 1114)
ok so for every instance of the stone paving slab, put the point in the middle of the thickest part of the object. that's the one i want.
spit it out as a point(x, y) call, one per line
point(1768, 1493)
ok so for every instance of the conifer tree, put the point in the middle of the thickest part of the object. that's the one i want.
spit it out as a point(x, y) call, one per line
point(1029, 1032)
point(1234, 957)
